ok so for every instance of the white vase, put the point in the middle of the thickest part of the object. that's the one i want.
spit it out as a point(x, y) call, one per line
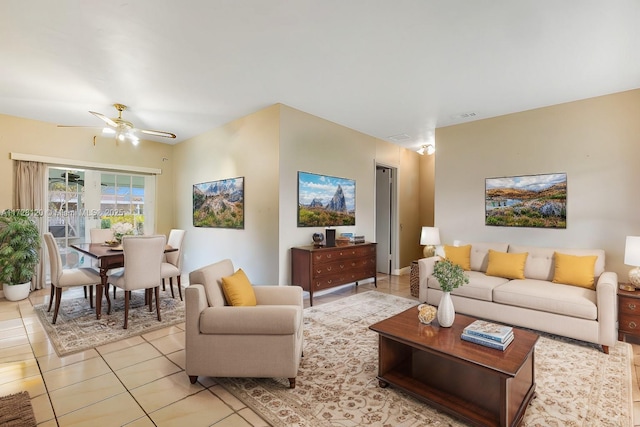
point(16, 292)
point(446, 312)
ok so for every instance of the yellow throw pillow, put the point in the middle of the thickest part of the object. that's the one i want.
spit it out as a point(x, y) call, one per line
point(238, 290)
point(575, 270)
point(509, 266)
point(460, 255)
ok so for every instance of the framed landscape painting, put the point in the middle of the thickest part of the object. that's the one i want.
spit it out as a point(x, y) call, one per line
point(219, 204)
point(325, 201)
point(527, 201)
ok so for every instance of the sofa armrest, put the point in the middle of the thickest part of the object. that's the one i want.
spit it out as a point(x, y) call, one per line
point(195, 303)
point(607, 300)
point(278, 295)
point(256, 320)
point(425, 269)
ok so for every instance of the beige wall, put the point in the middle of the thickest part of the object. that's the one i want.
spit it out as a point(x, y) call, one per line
point(246, 147)
point(268, 148)
point(46, 139)
point(595, 141)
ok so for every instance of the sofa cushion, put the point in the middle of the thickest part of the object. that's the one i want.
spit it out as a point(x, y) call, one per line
point(459, 255)
point(480, 254)
point(480, 286)
point(503, 264)
point(574, 270)
point(238, 290)
point(543, 295)
point(540, 262)
point(210, 277)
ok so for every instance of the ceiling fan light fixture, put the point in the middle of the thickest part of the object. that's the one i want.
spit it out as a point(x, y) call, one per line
point(429, 149)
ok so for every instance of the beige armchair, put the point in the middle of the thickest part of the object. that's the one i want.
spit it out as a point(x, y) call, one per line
point(262, 341)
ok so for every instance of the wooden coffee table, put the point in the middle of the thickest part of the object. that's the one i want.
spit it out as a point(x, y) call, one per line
point(477, 384)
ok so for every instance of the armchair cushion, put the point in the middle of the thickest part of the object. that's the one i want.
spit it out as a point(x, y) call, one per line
point(237, 289)
point(258, 320)
point(210, 276)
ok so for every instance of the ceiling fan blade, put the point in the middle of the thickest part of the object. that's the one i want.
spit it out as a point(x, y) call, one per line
point(157, 133)
point(104, 118)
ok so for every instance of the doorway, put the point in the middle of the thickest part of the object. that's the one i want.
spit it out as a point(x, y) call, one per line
point(385, 219)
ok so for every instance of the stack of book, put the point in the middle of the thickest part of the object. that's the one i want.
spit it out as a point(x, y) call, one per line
point(488, 334)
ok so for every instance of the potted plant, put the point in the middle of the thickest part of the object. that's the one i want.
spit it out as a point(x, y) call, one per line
point(19, 246)
point(450, 276)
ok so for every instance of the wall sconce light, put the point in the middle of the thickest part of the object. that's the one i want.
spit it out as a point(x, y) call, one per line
point(429, 149)
point(632, 257)
point(430, 236)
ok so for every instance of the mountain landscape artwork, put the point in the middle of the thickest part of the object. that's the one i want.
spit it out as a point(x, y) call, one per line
point(219, 204)
point(325, 201)
point(527, 201)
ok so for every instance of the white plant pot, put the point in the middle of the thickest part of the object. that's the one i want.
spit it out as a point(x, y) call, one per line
point(16, 292)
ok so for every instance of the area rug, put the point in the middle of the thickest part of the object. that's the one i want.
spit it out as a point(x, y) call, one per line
point(16, 410)
point(576, 384)
point(77, 328)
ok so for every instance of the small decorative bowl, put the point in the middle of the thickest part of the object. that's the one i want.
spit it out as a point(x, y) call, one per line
point(426, 313)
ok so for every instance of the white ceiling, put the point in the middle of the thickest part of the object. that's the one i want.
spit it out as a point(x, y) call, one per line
point(384, 68)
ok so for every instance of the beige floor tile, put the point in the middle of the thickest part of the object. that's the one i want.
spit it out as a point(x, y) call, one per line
point(34, 385)
point(11, 322)
point(12, 332)
point(75, 373)
point(254, 419)
point(170, 343)
point(146, 372)
point(119, 345)
point(141, 422)
point(227, 397)
point(13, 371)
point(51, 423)
point(636, 412)
point(130, 356)
point(16, 354)
point(165, 391)
point(233, 420)
point(154, 335)
point(85, 393)
point(42, 348)
point(201, 409)
point(114, 411)
point(178, 358)
point(14, 341)
point(53, 361)
point(42, 409)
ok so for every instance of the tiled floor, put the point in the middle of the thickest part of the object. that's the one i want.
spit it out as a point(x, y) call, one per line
point(135, 382)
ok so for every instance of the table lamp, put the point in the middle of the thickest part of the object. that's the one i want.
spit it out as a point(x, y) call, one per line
point(632, 257)
point(430, 236)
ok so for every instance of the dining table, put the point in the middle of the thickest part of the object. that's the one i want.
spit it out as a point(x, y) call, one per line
point(109, 257)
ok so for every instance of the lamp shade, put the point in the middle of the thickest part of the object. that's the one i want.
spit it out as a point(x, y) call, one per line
point(632, 251)
point(431, 236)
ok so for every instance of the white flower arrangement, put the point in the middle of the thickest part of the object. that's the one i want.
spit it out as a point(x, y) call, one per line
point(122, 229)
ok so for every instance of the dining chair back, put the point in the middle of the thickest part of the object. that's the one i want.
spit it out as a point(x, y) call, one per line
point(101, 235)
point(172, 265)
point(143, 257)
point(62, 278)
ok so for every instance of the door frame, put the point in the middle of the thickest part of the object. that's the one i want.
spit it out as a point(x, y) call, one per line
point(394, 224)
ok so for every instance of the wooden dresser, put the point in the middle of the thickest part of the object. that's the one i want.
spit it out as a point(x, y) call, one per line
point(628, 314)
point(316, 269)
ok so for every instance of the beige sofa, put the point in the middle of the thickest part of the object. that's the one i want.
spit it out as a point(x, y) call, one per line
point(262, 341)
point(533, 302)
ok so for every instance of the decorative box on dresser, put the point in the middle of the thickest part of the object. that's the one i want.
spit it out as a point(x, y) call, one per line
point(318, 268)
point(628, 313)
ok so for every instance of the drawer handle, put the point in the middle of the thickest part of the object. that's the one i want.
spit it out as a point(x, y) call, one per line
point(632, 325)
point(632, 306)
point(329, 268)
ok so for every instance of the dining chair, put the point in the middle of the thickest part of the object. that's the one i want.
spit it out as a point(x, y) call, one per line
point(143, 257)
point(172, 264)
point(101, 235)
point(63, 278)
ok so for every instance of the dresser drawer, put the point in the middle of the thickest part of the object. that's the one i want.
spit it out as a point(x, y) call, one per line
point(629, 306)
point(337, 254)
point(630, 324)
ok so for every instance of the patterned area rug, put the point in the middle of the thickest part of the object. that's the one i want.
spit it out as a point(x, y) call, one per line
point(576, 383)
point(77, 328)
point(16, 410)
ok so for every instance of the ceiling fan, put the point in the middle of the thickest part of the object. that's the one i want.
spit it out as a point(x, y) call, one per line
point(124, 129)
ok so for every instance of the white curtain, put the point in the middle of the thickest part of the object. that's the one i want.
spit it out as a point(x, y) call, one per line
point(29, 193)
